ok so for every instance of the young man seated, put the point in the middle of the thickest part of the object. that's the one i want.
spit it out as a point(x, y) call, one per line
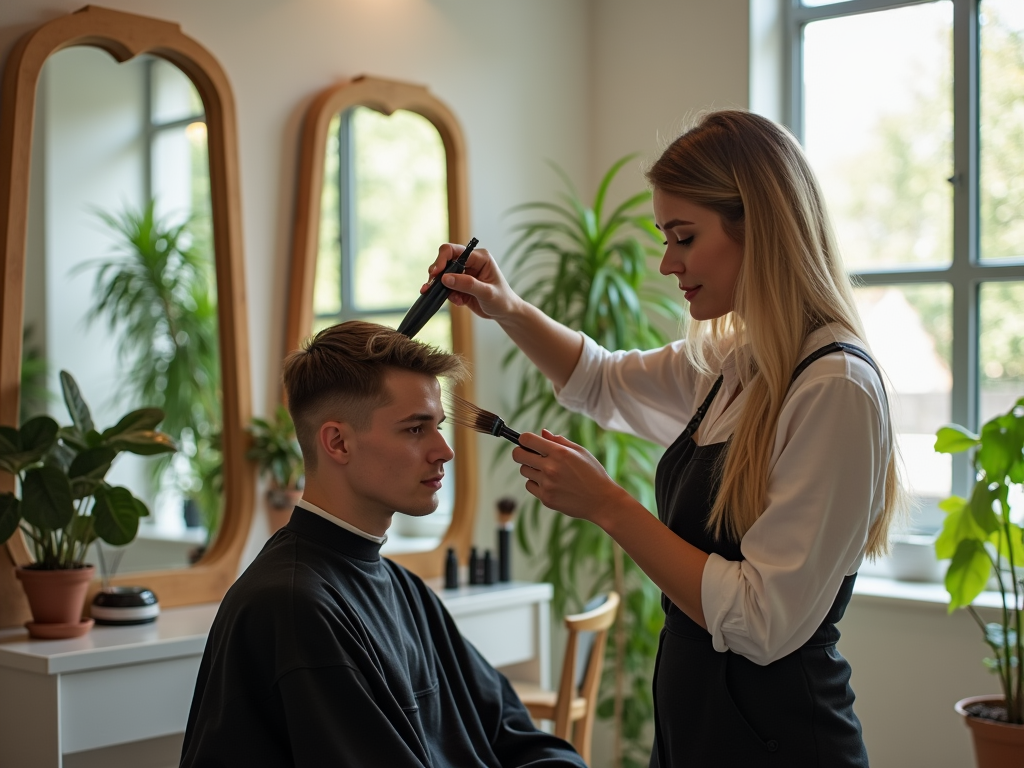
point(323, 653)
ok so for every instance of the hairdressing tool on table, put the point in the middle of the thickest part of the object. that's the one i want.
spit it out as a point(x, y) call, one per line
point(465, 414)
point(426, 306)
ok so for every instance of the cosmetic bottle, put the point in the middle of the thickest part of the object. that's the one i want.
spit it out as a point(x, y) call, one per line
point(451, 570)
point(474, 567)
point(488, 567)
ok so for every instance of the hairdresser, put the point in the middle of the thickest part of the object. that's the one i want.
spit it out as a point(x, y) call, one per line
point(779, 474)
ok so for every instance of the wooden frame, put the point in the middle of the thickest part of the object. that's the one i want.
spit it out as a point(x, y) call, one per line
point(386, 96)
point(124, 36)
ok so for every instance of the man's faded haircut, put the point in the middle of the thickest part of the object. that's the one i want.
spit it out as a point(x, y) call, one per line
point(339, 375)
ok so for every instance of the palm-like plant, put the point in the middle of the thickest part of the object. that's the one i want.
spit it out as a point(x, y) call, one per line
point(589, 270)
point(157, 293)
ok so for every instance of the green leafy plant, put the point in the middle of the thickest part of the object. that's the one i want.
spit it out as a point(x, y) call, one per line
point(587, 267)
point(275, 449)
point(984, 543)
point(65, 503)
point(158, 295)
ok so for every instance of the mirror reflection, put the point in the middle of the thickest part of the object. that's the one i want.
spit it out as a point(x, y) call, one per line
point(120, 287)
point(383, 212)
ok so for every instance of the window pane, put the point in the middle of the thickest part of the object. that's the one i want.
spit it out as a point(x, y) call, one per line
point(400, 205)
point(1001, 361)
point(327, 281)
point(878, 128)
point(181, 172)
point(1002, 130)
point(174, 96)
point(916, 362)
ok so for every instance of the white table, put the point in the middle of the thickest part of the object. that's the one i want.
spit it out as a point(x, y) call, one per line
point(127, 684)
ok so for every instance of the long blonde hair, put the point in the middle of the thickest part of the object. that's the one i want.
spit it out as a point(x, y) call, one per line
point(754, 175)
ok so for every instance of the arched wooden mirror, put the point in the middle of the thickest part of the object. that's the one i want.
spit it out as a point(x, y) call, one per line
point(109, 118)
point(382, 182)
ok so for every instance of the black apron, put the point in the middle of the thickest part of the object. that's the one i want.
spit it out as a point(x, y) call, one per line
point(721, 709)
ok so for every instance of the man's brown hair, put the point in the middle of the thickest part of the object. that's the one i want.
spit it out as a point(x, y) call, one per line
point(340, 373)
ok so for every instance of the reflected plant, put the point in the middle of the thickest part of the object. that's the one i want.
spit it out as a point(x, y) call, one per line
point(588, 268)
point(157, 293)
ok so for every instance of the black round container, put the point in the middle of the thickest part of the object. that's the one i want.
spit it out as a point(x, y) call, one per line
point(125, 605)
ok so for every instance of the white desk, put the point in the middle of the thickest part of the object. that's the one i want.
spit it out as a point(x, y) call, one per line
point(126, 684)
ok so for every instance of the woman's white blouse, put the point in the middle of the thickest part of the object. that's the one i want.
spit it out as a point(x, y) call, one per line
point(826, 482)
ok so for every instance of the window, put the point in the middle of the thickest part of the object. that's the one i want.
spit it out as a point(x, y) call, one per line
point(912, 115)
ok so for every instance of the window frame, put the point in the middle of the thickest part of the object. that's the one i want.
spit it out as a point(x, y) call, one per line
point(966, 273)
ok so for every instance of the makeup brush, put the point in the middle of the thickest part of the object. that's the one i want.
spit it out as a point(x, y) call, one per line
point(466, 414)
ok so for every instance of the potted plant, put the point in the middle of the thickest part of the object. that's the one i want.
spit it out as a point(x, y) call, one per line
point(65, 504)
point(586, 263)
point(276, 451)
point(986, 546)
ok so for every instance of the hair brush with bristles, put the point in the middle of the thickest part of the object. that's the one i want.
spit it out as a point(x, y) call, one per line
point(466, 414)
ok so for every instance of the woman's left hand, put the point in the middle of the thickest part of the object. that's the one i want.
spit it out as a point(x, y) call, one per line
point(566, 477)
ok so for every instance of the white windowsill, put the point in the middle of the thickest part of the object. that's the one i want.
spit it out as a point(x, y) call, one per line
point(885, 588)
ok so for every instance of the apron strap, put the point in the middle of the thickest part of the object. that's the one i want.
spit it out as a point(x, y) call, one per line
point(828, 349)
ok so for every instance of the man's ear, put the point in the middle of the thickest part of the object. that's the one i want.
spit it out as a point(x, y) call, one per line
point(335, 441)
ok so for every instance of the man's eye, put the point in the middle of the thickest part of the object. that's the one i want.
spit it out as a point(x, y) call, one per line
point(416, 430)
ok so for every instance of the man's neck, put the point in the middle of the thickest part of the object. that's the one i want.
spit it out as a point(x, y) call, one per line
point(336, 502)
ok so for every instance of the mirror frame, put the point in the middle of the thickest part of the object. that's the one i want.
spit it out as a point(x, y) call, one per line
point(387, 96)
point(124, 36)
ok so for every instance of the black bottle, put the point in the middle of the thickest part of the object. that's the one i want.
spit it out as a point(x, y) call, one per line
point(474, 567)
point(488, 567)
point(451, 570)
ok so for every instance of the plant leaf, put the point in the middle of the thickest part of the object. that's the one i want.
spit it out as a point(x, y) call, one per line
point(39, 434)
point(46, 499)
point(981, 506)
point(10, 515)
point(968, 573)
point(116, 515)
point(954, 439)
point(75, 403)
point(144, 442)
point(142, 419)
point(93, 463)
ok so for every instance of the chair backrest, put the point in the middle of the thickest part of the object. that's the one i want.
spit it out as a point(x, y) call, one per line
point(582, 667)
point(586, 640)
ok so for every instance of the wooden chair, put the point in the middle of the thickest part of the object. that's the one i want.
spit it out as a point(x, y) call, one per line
point(575, 701)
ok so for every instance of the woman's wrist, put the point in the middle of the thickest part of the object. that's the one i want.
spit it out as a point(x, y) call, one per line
point(617, 512)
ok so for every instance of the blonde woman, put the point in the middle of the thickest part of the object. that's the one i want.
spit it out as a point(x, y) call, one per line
point(779, 475)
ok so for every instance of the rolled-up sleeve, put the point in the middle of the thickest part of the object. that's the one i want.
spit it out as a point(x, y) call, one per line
point(647, 393)
point(826, 488)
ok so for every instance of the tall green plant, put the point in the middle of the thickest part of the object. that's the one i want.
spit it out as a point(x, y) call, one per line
point(983, 542)
point(158, 295)
point(587, 267)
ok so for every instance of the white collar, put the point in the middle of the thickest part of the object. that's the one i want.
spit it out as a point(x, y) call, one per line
point(311, 507)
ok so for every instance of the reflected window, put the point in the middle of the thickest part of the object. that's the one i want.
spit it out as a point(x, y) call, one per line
point(133, 321)
point(383, 213)
point(912, 118)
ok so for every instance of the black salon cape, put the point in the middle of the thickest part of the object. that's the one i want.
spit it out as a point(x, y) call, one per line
point(323, 653)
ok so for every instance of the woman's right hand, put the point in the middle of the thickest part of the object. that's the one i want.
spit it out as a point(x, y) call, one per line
point(481, 287)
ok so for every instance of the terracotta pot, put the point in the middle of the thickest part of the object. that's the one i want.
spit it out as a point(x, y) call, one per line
point(280, 503)
point(996, 744)
point(56, 599)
